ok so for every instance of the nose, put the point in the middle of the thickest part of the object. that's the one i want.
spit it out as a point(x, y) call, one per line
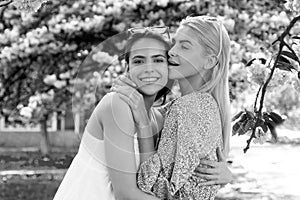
point(149, 68)
point(171, 52)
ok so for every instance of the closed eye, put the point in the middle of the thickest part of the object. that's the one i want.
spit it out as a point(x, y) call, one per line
point(184, 47)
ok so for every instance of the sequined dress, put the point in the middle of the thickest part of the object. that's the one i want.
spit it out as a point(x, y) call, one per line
point(192, 131)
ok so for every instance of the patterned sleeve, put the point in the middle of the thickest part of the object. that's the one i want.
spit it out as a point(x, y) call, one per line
point(148, 173)
point(198, 130)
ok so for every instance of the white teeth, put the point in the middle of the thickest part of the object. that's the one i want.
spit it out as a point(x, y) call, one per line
point(149, 79)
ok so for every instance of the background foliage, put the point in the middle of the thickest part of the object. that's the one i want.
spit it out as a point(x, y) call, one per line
point(41, 52)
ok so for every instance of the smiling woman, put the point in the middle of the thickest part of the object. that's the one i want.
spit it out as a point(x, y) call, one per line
point(147, 62)
point(148, 67)
point(107, 159)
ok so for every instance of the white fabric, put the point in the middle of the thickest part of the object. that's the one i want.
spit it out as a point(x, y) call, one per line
point(87, 177)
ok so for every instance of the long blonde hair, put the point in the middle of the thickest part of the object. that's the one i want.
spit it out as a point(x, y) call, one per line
point(213, 35)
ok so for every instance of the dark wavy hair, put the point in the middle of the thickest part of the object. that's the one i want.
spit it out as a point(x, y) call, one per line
point(148, 34)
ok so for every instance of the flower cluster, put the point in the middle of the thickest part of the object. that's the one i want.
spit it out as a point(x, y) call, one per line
point(258, 72)
point(260, 136)
point(34, 109)
point(52, 80)
point(45, 52)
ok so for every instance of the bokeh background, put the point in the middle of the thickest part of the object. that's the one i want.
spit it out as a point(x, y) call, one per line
point(56, 64)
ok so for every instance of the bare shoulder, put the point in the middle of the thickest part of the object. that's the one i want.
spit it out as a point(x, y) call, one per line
point(113, 111)
point(111, 102)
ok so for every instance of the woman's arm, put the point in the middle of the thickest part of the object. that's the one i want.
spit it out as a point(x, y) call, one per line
point(146, 142)
point(219, 173)
point(144, 126)
point(199, 134)
point(118, 127)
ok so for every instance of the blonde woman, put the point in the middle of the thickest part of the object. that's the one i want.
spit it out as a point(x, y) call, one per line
point(197, 123)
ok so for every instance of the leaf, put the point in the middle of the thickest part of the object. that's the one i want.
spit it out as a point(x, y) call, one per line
point(262, 60)
point(235, 128)
point(262, 124)
point(284, 66)
point(243, 118)
point(290, 55)
point(296, 37)
point(264, 127)
point(249, 125)
point(242, 130)
point(283, 59)
point(239, 128)
point(268, 120)
point(250, 115)
point(237, 116)
point(276, 118)
point(273, 132)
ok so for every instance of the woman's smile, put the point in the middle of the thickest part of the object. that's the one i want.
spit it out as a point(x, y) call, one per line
point(149, 79)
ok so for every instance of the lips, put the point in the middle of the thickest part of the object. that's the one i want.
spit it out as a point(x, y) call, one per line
point(149, 79)
point(173, 63)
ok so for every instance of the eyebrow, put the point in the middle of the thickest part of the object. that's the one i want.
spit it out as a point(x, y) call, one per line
point(158, 55)
point(138, 56)
point(154, 56)
point(182, 41)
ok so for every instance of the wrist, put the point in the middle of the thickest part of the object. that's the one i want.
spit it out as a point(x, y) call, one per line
point(143, 126)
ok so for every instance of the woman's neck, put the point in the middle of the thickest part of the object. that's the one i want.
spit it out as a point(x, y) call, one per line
point(190, 84)
point(148, 100)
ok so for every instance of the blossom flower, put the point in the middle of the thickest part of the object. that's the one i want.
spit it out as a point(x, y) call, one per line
point(279, 78)
point(50, 79)
point(48, 96)
point(102, 57)
point(118, 68)
point(59, 84)
point(296, 84)
point(34, 101)
point(258, 72)
point(65, 75)
point(162, 3)
point(26, 112)
point(119, 27)
point(260, 136)
point(228, 23)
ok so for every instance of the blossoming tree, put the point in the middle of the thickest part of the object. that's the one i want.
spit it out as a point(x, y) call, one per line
point(43, 43)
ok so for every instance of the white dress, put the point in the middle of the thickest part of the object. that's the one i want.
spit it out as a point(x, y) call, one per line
point(87, 177)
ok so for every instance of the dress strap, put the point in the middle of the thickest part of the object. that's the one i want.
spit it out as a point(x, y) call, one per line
point(154, 120)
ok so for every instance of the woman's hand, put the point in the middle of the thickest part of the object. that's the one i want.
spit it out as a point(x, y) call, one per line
point(123, 80)
point(136, 102)
point(218, 174)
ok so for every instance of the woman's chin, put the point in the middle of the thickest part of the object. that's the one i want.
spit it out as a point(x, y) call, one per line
point(149, 90)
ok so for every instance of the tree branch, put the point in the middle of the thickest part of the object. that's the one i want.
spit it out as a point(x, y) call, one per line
point(5, 3)
point(265, 85)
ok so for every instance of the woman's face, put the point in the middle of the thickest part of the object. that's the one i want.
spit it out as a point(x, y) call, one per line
point(187, 55)
point(148, 65)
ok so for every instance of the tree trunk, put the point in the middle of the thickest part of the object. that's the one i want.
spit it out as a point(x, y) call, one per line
point(44, 143)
